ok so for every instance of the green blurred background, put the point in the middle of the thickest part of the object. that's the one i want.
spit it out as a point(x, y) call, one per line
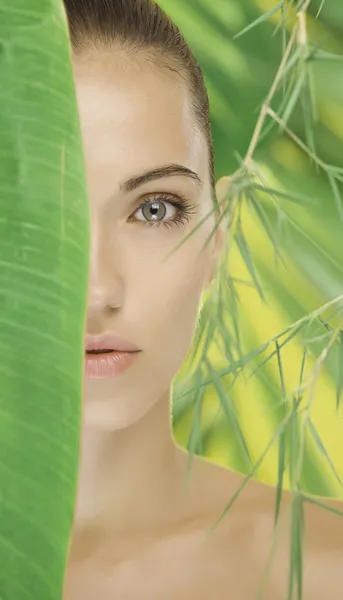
point(239, 73)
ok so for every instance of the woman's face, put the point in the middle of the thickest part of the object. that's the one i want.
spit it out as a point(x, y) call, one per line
point(135, 119)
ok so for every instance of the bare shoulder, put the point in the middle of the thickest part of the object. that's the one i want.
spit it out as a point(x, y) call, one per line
point(255, 552)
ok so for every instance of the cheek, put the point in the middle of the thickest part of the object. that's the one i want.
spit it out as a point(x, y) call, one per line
point(174, 304)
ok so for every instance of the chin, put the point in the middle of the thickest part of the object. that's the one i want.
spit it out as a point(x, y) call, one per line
point(112, 405)
point(108, 416)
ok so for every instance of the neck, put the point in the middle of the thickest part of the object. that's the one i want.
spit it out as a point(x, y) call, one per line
point(127, 477)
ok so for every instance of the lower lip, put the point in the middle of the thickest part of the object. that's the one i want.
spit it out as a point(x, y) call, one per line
point(109, 364)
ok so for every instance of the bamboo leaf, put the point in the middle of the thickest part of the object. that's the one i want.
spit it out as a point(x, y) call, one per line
point(245, 253)
point(293, 100)
point(320, 504)
point(195, 433)
point(316, 339)
point(309, 109)
point(260, 19)
point(251, 473)
point(289, 69)
point(296, 556)
point(322, 55)
point(322, 449)
point(282, 440)
point(266, 225)
point(230, 413)
point(320, 8)
point(340, 372)
point(276, 537)
point(298, 198)
point(337, 195)
point(302, 367)
point(281, 472)
point(294, 444)
point(233, 301)
point(293, 333)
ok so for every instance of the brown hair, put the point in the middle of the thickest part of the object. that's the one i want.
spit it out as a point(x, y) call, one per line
point(142, 26)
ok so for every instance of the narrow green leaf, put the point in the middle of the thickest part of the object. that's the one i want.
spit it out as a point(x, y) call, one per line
point(296, 554)
point(298, 198)
point(266, 225)
point(282, 379)
point(281, 472)
point(282, 439)
point(230, 370)
point(251, 473)
point(322, 55)
point(293, 100)
point(294, 444)
point(286, 341)
point(315, 245)
point(289, 69)
point(225, 336)
point(232, 303)
point(337, 195)
point(340, 372)
point(245, 253)
point(316, 339)
point(193, 231)
point(309, 109)
point(202, 326)
point(288, 72)
point(320, 8)
point(195, 433)
point(322, 449)
point(212, 324)
point(260, 19)
point(302, 367)
point(320, 504)
point(230, 413)
point(276, 537)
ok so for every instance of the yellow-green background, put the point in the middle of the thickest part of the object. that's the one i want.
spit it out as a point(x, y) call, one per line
point(239, 74)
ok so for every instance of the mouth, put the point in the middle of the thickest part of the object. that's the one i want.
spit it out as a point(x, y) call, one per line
point(99, 351)
point(108, 356)
point(107, 363)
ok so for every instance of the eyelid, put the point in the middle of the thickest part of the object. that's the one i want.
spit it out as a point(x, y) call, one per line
point(163, 196)
point(181, 203)
point(175, 199)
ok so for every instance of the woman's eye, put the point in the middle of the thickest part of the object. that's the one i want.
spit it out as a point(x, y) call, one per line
point(163, 210)
point(153, 211)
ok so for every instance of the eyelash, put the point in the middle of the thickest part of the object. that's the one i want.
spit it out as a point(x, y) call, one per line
point(184, 207)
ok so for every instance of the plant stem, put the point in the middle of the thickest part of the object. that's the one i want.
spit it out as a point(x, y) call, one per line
point(266, 105)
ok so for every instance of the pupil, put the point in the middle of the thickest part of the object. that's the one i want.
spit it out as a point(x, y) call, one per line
point(154, 211)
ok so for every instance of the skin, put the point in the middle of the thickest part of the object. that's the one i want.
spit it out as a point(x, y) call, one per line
point(140, 531)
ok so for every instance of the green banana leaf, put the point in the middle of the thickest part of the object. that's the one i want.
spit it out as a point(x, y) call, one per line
point(44, 249)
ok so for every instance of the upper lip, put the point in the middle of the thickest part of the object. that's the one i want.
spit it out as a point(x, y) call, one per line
point(109, 341)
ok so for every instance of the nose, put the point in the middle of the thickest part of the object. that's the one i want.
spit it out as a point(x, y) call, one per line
point(105, 284)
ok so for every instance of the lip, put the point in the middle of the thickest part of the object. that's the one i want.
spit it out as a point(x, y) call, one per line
point(104, 365)
point(109, 341)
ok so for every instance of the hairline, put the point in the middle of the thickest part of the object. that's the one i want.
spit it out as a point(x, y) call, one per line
point(91, 45)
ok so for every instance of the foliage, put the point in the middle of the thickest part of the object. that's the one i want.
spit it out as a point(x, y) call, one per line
point(44, 231)
point(266, 365)
point(264, 378)
point(277, 306)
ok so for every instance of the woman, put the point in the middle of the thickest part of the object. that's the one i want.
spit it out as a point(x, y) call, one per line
point(141, 530)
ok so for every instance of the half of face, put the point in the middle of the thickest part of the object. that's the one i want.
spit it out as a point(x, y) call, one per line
point(136, 121)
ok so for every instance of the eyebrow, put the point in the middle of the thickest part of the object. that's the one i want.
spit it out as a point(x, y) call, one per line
point(158, 173)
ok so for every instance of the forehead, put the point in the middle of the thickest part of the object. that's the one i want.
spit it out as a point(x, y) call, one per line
point(135, 116)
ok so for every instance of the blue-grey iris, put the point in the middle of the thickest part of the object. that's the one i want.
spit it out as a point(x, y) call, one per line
point(154, 211)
